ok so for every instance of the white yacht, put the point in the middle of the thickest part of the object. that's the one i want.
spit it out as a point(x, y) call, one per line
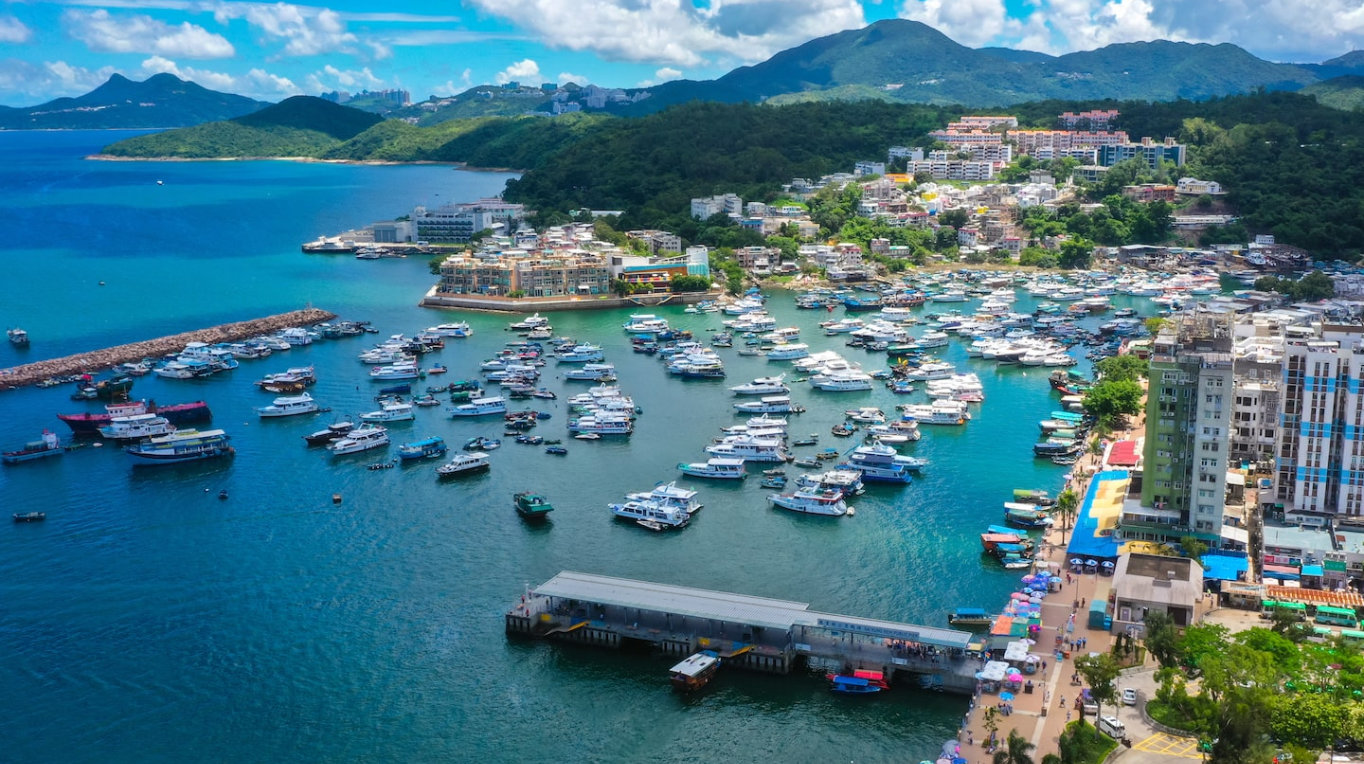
point(390, 411)
point(842, 380)
point(866, 415)
point(881, 463)
point(812, 501)
point(288, 405)
point(669, 495)
point(842, 326)
point(941, 411)
point(601, 423)
point(458, 330)
point(717, 467)
point(748, 448)
point(397, 371)
point(846, 482)
point(651, 514)
point(933, 339)
point(480, 407)
point(762, 386)
point(769, 404)
point(464, 463)
point(592, 372)
point(136, 427)
point(296, 336)
point(580, 354)
point(931, 370)
point(788, 352)
point(359, 439)
point(645, 323)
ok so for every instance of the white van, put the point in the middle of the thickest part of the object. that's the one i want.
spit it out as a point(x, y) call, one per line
point(1110, 726)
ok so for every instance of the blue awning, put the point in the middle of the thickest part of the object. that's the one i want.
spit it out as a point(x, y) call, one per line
point(1224, 567)
point(1311, 570)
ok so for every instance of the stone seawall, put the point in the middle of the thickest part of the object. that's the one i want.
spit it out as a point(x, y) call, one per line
point(546, 304)
point(98, 360)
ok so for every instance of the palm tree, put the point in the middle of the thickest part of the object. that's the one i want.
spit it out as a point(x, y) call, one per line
point(1066, 505)
point(1015, 751)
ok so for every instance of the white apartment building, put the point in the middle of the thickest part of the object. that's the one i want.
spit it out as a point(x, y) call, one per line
point(705, 207)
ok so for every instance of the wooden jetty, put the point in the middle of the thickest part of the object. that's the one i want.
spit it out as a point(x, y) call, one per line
point(98, 360)
point(756, 633)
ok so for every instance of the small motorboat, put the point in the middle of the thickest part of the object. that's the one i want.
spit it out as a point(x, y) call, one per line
point(29, 517)
point(843, 430)
point(426, 400)
point(587, 436)
point(774, 481)
point(437, 369)
point(222, 495)
point(481, 443)
point(557, 450)
point(530, 440)
point(807, 463)
point(808, 441)
point(545, 394)
point(652, 525)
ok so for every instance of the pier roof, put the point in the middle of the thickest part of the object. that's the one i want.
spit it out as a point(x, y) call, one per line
point(679, 600)
point(734, 608)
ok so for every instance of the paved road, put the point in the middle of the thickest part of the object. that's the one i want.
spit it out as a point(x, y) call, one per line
point(1148, 745)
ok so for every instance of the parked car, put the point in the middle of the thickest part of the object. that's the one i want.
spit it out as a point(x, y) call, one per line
point(1129, 697)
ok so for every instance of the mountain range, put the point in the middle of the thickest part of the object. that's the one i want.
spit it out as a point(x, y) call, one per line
point(893, 60)
point(900, 60)
point(162, 100)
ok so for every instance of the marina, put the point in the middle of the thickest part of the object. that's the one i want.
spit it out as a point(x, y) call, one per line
point(396, 582)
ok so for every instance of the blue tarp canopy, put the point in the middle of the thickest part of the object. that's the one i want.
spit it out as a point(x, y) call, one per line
point(1224, 567)
point(1311, 570)
point(1085, 541)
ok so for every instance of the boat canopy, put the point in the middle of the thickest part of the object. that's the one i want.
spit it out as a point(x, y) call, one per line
point(969, 612)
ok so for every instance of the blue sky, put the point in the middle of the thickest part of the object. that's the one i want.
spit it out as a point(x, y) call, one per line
point(273, 50)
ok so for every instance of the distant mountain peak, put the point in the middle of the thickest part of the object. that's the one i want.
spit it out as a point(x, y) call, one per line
point(161, 100)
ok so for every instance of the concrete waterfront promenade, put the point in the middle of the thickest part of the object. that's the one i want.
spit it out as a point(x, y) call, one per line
point(1041, 716)
point(98, 360)
point(436, 299)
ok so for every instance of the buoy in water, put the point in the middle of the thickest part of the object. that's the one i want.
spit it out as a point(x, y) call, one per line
point(851, 511)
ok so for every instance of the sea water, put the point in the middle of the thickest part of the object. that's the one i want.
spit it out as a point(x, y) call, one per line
point(148, 620)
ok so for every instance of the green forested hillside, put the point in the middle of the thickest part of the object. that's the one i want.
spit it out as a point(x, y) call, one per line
point(1341, 92)
point(301, 126)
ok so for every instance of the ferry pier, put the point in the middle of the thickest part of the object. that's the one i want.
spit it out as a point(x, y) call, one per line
point(756, 633)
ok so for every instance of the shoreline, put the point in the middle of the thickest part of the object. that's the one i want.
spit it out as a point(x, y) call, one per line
point(307, 160)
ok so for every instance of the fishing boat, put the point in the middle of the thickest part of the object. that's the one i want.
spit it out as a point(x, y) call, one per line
point(557, 450)
point(464, 464)
point(181, 446)
point(136, 427)
point(289, 405)
point(17, 337)
point(809, 440)
point(113, 389)
point(811, 502)
point(773, 481)
point(718, 468)
point(532, 506)
point(695, 671)
point(331, 432)
point(969, 618)
point(48, 445)
point(359, 439)
point(87, 425)
point(860, 683)
point(1026, 515)
point(1033, 496)
point(481, 443)
point(426, 448)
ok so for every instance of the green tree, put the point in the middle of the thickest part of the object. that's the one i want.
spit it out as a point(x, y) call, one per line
point(1241, 682)
point(956, 218)
point(1101, 673)
point(1120, 367)
point(1037, 257)
point(1192, 548)
point(1311, 720)
point(1108, 400)
point(1076, 253)
point(689, 284)
point(1162, 639)
point(1155, 323)
point(1199, 642)
point(1016, 750)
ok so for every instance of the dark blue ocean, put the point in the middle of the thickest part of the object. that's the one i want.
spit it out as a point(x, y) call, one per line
point(148, 621)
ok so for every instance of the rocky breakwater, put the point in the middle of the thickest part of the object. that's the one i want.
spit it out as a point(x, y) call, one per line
point(98, 360)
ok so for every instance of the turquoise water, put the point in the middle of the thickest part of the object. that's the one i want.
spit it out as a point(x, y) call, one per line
point(148, 621)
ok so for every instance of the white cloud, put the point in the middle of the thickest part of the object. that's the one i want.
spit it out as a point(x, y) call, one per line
point(566, 77)
point(307, 31)
point(256, 83)
point(662, 75)
point(103, 32)
point(13, 30)
point(525, 70)
point(675, 32)
point(25, 83)
point(466, 77)
point(1273, 29)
